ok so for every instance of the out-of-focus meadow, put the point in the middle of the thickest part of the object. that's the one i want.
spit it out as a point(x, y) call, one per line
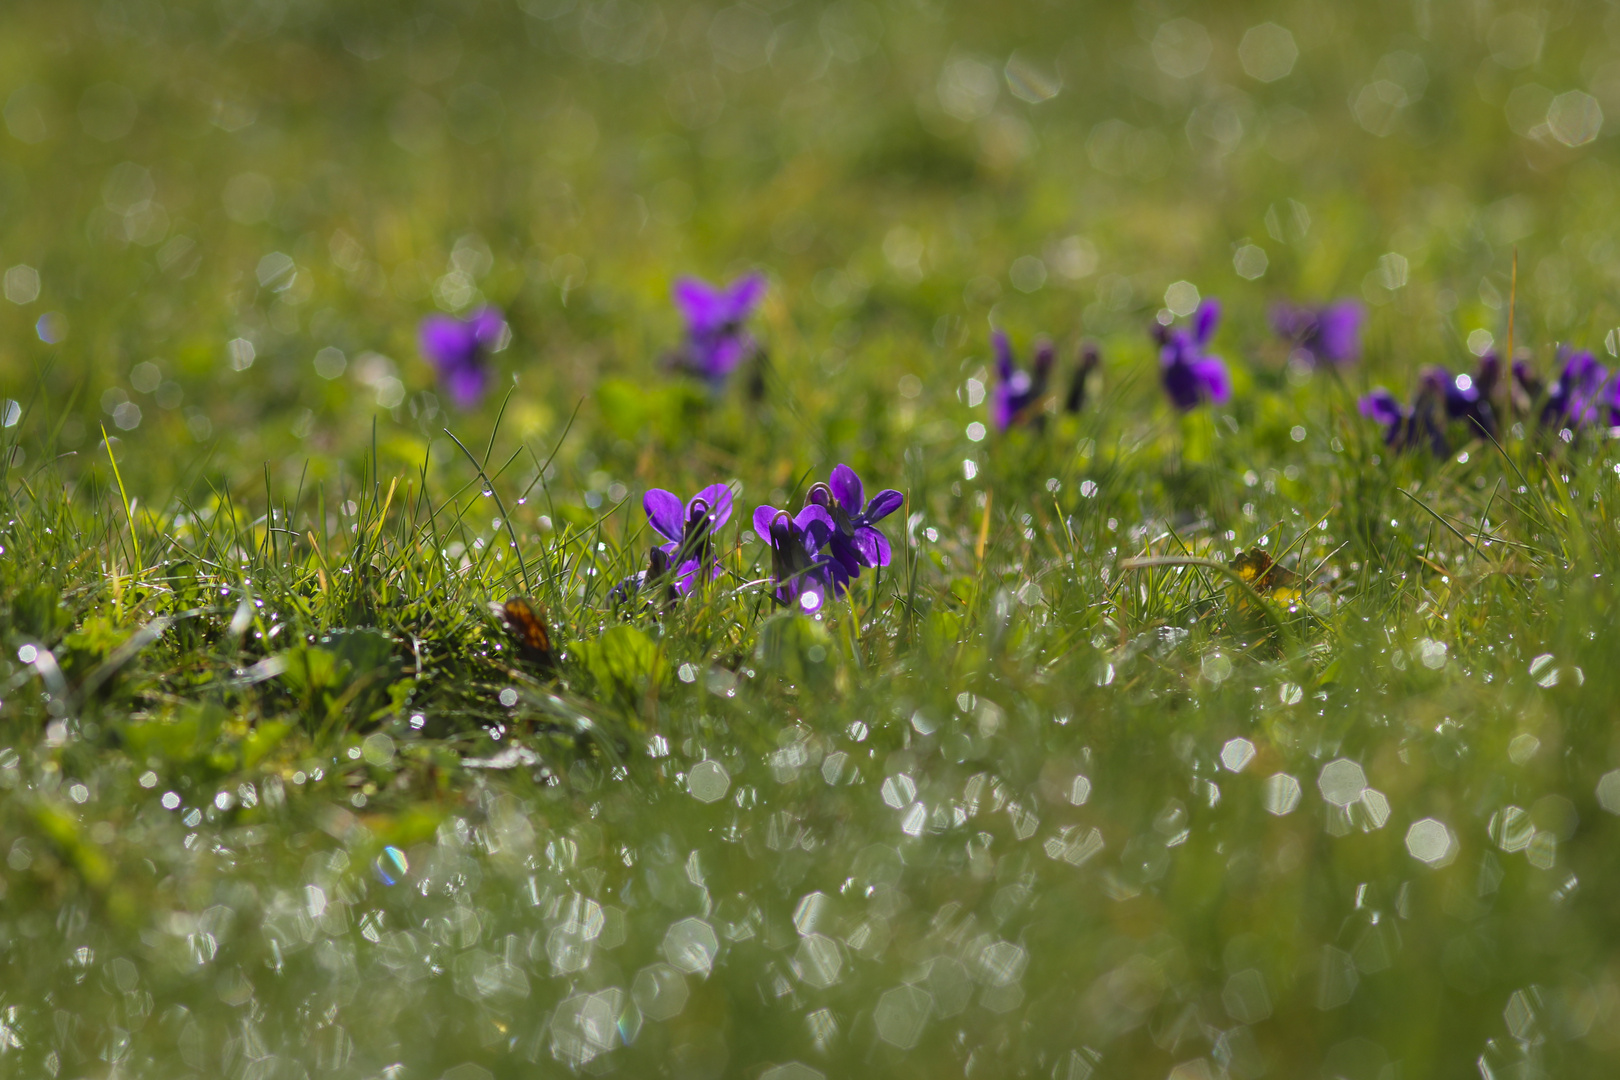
point(282, 797)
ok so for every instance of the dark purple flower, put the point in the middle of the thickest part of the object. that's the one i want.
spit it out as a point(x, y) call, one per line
point(1192, 376)
point(658, 566)
point(459, 350)
point(1468, 397)
point(802, 574)
point(716, 340)
point(1090, 357)
point(1331, 332)
point(1409, 428)
point(855, 541)
point(1018, 394)
point(1386, 409)
point(689, 529)
point(1582, 396)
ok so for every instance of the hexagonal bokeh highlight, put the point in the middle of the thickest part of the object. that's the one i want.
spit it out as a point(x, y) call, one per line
point(1268, 52)
point(1002, 963)
point(1281, 794)
point(1608, 791)
point(811, 909)
point(1236, 754)
point(22, 284)
point(1341, 781)
point(690, 945)
point(1575, 118)
point(901, 1015)
point(1429, 841)
point(659, 991)
point(1182, 48)
point(1245, 996)
point(819, 961)
point(708, 781)
point(586, 1025)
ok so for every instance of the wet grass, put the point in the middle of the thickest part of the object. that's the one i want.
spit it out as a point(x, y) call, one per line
point(1055, 794)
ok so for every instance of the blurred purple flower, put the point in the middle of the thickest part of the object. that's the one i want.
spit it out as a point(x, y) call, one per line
point(855, 541)
point(1386, 409)
point(658, 566)
point(1410, 428)
point(1582, 396)
point(1331, 332)
point(689, 529)
point(1468, 397)
point(1018, 394)
point(459, 350)
point(716, 341)
point(802, 574)
point(1192, 376)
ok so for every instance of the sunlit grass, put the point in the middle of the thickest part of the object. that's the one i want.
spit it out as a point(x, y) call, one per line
point(1062, 791)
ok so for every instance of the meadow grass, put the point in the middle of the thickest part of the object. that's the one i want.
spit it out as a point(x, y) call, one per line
point(1056, 793)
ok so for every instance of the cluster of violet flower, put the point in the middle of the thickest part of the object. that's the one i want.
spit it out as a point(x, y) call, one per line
point(814, 553)
point(1019, 396)
point(1191, 374)
point(1441, 398)
point(1330, 333)
point(716, 342)
point(1585, 395)
point(833, 537)
point(459, 350)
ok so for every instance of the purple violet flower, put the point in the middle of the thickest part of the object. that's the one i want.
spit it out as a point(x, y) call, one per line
point(1468, 397)
point(1582, 396)
point(716, 341)
point(1409, 428)
point(459, 350)
point(1329, 333)
point(689, 529)
point(1018, 394)
point(1192, 376)
point(1385, 408)
point(855, 541)
point(802, 574)
point(658, 566)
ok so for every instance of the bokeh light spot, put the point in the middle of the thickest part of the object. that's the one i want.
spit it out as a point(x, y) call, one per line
point(708, 781)
point(1429, 841)
point(1268, 52)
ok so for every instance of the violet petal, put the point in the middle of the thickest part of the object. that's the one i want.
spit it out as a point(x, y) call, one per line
point(665, 513)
